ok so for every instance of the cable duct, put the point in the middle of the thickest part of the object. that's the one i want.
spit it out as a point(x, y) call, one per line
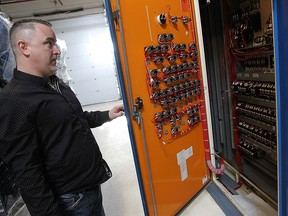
point(206, 140)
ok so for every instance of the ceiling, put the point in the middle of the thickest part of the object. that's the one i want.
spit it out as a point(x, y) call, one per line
point(50, 9)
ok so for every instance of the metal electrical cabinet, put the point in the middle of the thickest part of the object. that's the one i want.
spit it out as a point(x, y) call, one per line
point(176, 96)
point(242, 74)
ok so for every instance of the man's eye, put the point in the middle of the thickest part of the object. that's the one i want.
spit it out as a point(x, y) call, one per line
point(50, 44)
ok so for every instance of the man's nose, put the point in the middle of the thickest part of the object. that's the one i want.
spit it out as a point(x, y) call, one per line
point(57, 50)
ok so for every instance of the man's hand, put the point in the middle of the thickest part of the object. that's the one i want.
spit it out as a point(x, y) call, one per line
point(116, 111)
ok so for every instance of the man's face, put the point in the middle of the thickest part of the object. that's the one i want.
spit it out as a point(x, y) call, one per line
point(43, 50)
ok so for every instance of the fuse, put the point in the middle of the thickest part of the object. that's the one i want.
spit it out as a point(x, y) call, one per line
point(158, 117)
point(179, 67)
point(170, 91)
point(196, 119)
point(195, 63)
point(157, 94)
point(154, 83)
point(189, 111)
point(192, 46)
point(164, 48)
point(162, 38)
point(176, 78)
point(196, 108)
point(165, 92)
point(164, 102)
point(172, 58)
point(193, 92)
point(174, 68)
point(168, 80)
point(159, 127)
point(198, 91)
point(169, 37)
point(158, 60)
point(174, 130)
point(166, 70)
point(185, 66)
point(185, 20)
point(187, 75)
point(181, 77)
point(152, 96)
point(192, 83)
point(177, 99)
point(188, 94)
point(182, 46)
point(166, 113)
point(194, 71)
point(183, 96)
point(183, 56)
point(172, 100)
point(173, 110)
point(183, 86)
point(197, 82)
point(176, 88)
point(178, 116)
point(176, 47)
point(172, 120)
point(154, 72)
point(193, 55)
point(157, 49)
point(190, 65)
point(173, 19)
point(149, 49)
point(188, 84)
point(191, 121)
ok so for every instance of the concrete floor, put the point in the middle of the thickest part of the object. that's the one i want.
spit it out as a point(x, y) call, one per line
point(121, 193)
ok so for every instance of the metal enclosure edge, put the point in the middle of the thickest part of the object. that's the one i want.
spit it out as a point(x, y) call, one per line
point(281, 46)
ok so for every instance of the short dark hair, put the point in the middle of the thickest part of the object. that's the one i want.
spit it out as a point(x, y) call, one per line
point(27, 24)
point(24, 24)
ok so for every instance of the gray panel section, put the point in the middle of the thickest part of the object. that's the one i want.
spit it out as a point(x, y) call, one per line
point(218, 79)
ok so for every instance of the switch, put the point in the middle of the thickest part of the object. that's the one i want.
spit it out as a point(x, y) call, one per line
point(161, 19)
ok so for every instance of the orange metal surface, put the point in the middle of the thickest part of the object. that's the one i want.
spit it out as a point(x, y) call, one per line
point(141, 29)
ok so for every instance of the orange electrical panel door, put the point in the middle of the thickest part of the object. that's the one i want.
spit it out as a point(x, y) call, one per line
point(162, 82)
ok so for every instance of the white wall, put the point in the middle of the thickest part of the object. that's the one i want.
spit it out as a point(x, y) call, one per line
point(89, 58)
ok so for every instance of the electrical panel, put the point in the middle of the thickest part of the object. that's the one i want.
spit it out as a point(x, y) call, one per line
point(159, 58)
point(254, 91)
point(241, 52)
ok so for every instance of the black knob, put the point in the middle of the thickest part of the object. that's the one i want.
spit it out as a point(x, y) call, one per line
point(161, 19)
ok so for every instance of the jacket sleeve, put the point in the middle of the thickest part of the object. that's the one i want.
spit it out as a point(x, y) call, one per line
point(19, 149)
point(97, 118)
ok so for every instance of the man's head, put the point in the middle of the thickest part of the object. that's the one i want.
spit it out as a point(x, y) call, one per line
point(33, 42)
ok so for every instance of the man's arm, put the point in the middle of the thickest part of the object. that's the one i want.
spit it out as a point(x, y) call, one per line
point(98, 118)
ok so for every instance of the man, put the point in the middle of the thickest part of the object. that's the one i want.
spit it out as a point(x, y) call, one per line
point(45, 136)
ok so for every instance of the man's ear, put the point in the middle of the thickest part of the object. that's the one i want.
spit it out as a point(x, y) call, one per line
point(23, 47)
